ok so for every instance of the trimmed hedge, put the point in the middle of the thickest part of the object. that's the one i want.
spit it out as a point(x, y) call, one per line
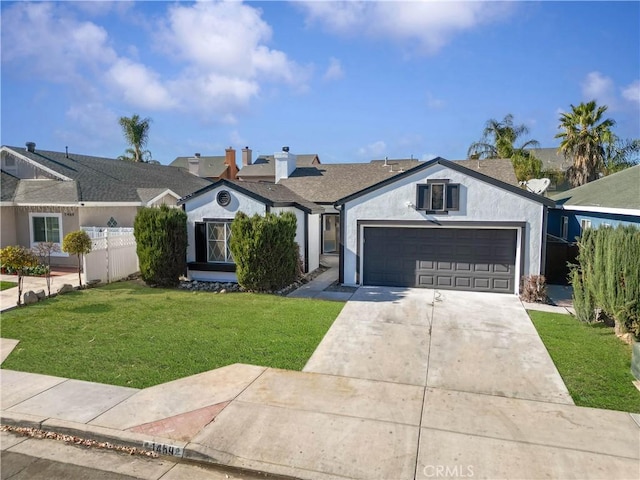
point(608, 276)
point(264, 251)
point(161, 237)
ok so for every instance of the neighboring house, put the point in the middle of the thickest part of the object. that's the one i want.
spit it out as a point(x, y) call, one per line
point(211, 210)
point(211, 168)
point(47, 194)
point(554, 167)
point(439, 224)
point(263, 168)
point(609, 201)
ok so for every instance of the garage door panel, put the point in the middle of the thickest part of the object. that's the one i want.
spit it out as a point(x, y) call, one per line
point(466, 259)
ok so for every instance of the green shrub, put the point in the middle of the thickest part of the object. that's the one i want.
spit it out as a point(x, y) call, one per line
point(161, 244)
point(77, 243)
point(264, 251)
point(608, 276)
point(19, 259)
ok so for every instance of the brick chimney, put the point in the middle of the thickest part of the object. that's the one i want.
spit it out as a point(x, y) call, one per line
point(285, 164)
point(230, 162)
point(246, 156)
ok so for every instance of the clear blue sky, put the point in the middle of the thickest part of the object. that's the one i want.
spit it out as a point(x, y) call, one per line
point(350, 81)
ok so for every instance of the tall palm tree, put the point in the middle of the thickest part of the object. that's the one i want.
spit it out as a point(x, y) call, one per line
point(136, 132)
point(584, 137)
point(499, 141)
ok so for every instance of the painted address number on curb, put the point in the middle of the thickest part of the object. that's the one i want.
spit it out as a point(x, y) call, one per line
point(163, 448)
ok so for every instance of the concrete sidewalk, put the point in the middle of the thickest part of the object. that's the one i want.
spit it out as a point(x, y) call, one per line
point(321, 286)
point(407, 384)
point(9, 297)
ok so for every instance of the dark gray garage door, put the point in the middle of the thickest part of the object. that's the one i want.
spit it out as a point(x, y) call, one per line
point(446, 258)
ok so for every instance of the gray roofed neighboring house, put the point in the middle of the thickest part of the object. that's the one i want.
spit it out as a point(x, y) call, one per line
point(100, 179)
point(620, 190)
point(211, 167)
point(67, 191)
point(263, 168)
point(552, 159)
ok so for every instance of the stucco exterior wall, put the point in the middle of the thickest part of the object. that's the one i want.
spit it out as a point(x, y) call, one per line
point(8, 222)
point(575, 218)
point(315, 239)
point(479, 202)
point(99, 216)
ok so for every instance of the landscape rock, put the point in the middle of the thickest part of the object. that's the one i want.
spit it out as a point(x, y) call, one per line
point(30, 297)
point(66, 288)
point(41, 295)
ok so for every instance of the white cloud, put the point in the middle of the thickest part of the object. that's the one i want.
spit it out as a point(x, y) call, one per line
point(220, 51)
point(334, 70)
point(597, 86)
point(139, 85)
point(373, 150)
point(93, 125)
point(632, 92)
point(428, 24)
point(47, 41)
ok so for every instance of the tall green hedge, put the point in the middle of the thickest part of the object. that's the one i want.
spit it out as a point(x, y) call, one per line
point(264, 251)
point(607, 276)
point(161, 237)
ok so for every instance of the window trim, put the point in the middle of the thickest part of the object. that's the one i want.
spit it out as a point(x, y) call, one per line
point(32, 240)
point(585, 223)
point(450, 200)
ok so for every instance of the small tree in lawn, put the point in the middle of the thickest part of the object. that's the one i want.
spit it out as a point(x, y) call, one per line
point(77, 243)
point(18, 258)
point(44, 250)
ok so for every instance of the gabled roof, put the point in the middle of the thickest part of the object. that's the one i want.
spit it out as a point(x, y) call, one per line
point(271, 194)
point(454, 166)
point(97, 179)
point(212, 167)
point(618, 191)
point(264, 165)
point(328, 183)
point(9, 186)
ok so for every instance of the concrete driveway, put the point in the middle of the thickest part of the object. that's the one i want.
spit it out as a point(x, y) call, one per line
point(462, 341)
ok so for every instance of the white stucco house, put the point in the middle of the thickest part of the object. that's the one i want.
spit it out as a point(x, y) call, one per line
point(437, 224)
point(442, 225)
point(211, 210)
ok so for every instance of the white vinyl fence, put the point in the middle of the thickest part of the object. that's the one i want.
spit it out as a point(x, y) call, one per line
point(112, 258)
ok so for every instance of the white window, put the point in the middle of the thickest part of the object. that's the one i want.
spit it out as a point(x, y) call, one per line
point(565, 227)
point(46, 227)
point(584, 224)
point(218, 235)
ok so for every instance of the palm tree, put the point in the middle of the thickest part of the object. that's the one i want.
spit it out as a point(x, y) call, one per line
point(136, 132)
point(621, 154)
point(499, 141)
point(584, 137)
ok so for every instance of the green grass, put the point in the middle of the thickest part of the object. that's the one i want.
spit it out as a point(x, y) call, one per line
point(593, 362)
point(131, 335)
point(6, 285)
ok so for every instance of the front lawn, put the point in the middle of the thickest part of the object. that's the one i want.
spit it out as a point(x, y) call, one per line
point(5, 285)
point(135, 336)
point(593, 362)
